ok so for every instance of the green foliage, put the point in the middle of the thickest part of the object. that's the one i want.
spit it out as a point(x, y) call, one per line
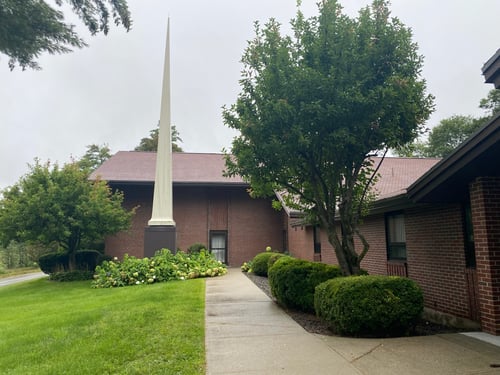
point(151, 143)
point(293, 281)
point(164, 266)
point(491, 103)
point(247, 266)
point(94, 157)
point(449, 134)
point(60, 208)
point(19, 254)
point(370, 305)
point(58, 262)
point(338, 91)
point(53, 262)
point(76, 275)
point(196, 248)
point(260, 263)
point(274, 258)
point(30, 27)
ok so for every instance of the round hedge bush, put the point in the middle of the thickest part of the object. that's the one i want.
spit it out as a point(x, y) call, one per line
point(293, 281)
point(260, 263)
point(373, 306)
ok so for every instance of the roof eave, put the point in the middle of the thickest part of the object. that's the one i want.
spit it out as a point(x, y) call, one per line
point(484, 138)
point(491, 70)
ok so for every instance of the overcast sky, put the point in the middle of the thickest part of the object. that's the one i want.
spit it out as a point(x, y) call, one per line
point(110, 91)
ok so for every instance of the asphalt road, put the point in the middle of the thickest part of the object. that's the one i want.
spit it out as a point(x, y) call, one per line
point(17, 279)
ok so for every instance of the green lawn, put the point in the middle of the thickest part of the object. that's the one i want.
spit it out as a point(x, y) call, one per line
point(68, 328)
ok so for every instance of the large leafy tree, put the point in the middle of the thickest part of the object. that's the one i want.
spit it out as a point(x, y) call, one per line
point(151, 143)
point(29, 28)
point(314, 107)
point(59, 207)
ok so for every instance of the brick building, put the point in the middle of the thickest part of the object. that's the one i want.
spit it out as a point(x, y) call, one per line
point(437, 222)
point(208, 208)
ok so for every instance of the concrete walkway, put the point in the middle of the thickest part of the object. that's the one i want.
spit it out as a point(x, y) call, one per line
point(17, 279)
point(247, 333)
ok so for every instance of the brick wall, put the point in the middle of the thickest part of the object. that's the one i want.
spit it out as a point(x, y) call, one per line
point(373, 229)
point(485, 206)
point(132, 241)
point(436, 256)
point(251, 224)
point(435, 253)
point(301, 242)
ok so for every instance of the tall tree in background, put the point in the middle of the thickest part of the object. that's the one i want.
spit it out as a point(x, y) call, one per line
point(94, 157)
point(452, 132)
point(59, 207)
point(151, 143)
point(491, 103)
point(29, 28)
point(314, 107)
point(449, 134)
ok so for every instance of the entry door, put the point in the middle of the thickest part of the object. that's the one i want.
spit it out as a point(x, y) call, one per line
point(218, 245)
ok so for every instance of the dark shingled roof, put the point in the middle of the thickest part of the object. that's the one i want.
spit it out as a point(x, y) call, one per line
point(133, 167)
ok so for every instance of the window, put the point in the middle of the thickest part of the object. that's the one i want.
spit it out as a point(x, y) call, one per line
point(317, 239)
point(218, 245)
point(396, 236)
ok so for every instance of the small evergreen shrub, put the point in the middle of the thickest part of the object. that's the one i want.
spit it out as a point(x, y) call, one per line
point(260, 263)
point(53, 262)
point(196, 248)
point(374, 306)
point(293, 281)
point(76, 275)
point(88, 260)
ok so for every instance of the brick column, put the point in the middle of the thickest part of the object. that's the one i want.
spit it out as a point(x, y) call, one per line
point(485, 205)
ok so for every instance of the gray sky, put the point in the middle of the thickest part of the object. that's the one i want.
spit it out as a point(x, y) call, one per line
point(110, 91)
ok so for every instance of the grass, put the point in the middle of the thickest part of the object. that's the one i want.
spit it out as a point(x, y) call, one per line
point(68, 328)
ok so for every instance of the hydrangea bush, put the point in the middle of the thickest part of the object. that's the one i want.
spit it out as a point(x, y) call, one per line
point(164, 266)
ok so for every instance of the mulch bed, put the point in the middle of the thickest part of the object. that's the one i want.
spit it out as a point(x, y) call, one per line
point(311, 323)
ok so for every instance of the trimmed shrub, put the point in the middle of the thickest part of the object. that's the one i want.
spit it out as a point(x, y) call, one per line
point(374, 306)
point(260, 263)
point(196, 248)
point(76, 275)
point(293, 281)
point(56, 262)
point(88, 260)
point(273, 258)
point(53, 262)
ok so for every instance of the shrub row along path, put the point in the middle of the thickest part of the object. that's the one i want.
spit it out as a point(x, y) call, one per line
point(247, 333)
point(17, 279)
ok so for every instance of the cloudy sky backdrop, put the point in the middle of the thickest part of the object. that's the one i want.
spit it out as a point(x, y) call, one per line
point(110, 91)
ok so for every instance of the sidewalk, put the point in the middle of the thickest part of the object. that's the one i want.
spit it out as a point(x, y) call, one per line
point(247, 333)
point(19, 278)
